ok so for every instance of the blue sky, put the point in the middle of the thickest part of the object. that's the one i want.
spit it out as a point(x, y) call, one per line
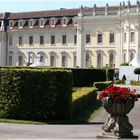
point(37, 5)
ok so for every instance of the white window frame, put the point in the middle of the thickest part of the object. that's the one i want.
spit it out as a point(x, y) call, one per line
point(66, 20)
point(31, 23)
point(11, 24)
point(20, 23)
point(53, 22)
point(132, 38)
point(99, 33)
point(42, 20)
point(111, 33)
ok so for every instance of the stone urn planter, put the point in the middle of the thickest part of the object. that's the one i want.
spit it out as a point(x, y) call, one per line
point(118, 106)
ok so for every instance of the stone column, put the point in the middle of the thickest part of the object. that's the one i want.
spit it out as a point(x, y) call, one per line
point(2, 48)
point(118, 59)
point(137, 40)
point(127, 42)
point(80, 48)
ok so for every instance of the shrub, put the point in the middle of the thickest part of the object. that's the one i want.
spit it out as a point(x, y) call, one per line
point(102, 85)
point(123, 79)
point(137, 71)
point(35, 94)
point(82, 98)
point(110, 74)
point(86, 77)
point(124, 64)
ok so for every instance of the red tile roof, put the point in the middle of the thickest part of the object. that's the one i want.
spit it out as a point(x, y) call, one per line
point(38, 14)
point(56, 13)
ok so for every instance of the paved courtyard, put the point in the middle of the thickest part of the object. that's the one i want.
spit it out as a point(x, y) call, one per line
point(82, 131)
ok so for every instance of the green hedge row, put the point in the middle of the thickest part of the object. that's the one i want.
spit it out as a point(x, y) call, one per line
point(35, 94)
point(102, 85)
point(83, 77)
point(83, 98)
point(86, 77)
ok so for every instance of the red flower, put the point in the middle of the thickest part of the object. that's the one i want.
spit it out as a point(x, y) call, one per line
point(118, 94)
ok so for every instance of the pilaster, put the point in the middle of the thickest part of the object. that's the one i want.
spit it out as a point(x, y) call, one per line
point(80, 47)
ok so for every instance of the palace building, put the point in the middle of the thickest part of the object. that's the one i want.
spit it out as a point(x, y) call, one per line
point(84, 37)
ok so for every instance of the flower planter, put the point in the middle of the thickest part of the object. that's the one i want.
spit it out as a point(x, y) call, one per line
point(117, 124)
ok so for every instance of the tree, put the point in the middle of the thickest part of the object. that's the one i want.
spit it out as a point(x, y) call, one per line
point(137, 71)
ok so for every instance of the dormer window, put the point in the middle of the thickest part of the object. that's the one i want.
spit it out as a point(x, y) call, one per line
point(74, 22)
point(64, 21)
point(20, 24)
point(31, 23)
point(53, 22)
point(11, 24)
point(41, 22)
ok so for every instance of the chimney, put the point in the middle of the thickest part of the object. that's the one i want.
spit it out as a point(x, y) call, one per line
point(94, 10)
point(106, 9)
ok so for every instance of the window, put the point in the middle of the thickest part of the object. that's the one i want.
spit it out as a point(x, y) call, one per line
point(20, 40)
point(64, 39)
point(20, 24)
point(10, 60)
point(111, 60)
point(52, 39)
point(124, 57)
point(87, 64)
point(74, 60)
point(30, 57)
point(20, 61)
point(131, 56)
point(41, 22)
point(99, 60)
point(111, 38)
point(100, 39)
point(124, 37)
point(64, 21)
point(132, 37)
point(63, 61)
point(53, 22)
point(10, 40)
point(75, 39)
point(41, 58)
point(31, 23)
point(30, 40)
point(52, 61)
point(11, 24)
point(41, 40)
point(87, 38)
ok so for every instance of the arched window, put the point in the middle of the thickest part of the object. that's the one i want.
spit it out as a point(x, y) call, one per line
point(74, 60)
point(52, 61)
point(111, 60)
point(41, 57)
point(87, 64)
point(64, 61)
point(124, 57)
point(30, 57)
point(131, 56)
point(99, 60)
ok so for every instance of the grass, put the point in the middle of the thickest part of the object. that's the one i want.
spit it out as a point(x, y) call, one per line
point(84, 117)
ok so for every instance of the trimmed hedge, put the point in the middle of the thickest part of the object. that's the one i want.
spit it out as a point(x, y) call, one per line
point(110, 74)
point(102, 85)
point(35, 94)
point(83, 98)
point(82, 77)
point(86, 77)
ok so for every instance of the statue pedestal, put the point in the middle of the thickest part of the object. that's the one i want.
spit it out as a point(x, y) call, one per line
point(117, 125)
